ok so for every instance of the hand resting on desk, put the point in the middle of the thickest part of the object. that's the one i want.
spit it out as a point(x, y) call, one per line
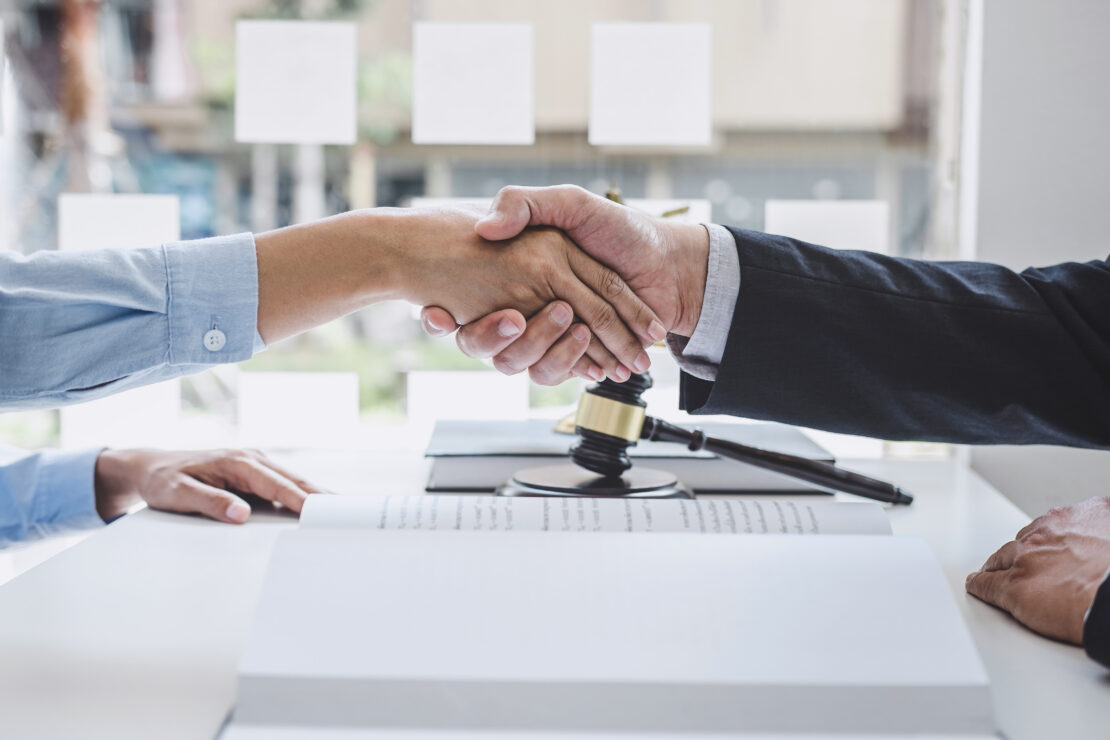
point(1048, 575)
point(194, 482)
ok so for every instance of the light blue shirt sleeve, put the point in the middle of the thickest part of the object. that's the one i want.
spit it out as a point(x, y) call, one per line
point(47, 492)
point(75, 326)
point(701, 354)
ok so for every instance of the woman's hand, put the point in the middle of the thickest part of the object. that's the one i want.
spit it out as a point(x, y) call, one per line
point(194, 482)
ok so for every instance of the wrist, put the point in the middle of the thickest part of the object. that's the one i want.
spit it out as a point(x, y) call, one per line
point(402, 246)
point(309, 274)
point(116, 483)
point(690, 256)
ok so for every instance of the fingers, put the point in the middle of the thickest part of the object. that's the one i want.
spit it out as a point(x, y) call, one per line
point(612, 288)
point(558, 362)
point(437, 322)
point(516, 208)
point(491, 334)
point(603, 358)
point(543, 331)
point(191, 496)
point(586, 369)
point(606, 324)
point(990, 586)
point(244, 473)
point(1003, 558)
point(306, 486)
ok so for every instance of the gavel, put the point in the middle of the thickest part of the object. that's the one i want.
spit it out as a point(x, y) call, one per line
point(613, 416)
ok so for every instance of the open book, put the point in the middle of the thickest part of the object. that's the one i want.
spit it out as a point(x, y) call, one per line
point(485, 617)
point(565, 514)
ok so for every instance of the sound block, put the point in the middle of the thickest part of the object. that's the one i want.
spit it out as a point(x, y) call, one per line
point(571, 480)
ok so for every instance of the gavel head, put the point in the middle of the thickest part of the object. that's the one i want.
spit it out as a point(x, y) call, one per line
point(610, 419)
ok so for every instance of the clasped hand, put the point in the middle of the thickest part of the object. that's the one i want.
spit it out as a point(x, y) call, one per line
point(661, 262)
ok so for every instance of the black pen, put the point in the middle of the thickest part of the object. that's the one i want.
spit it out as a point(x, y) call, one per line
point(823, 474)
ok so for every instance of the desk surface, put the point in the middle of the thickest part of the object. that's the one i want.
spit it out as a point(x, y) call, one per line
point(135, 632)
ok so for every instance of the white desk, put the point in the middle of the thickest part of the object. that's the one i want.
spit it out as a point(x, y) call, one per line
point(135, 632)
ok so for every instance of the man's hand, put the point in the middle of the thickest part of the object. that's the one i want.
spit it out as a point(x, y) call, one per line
point(194, 482)
point(1048, 576)
point(664, 263)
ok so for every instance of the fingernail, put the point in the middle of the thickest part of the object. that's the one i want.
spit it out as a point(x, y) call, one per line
point(507, 328)
point(561, 315)
point(238, 511)
point(580, 332)
point(434, 330)
point(642, 362)
point(656, 331)
point(621, 374)
point(595, 373)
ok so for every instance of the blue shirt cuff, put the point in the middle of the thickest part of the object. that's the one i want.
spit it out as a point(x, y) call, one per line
point(65, 495)
point(213, 300)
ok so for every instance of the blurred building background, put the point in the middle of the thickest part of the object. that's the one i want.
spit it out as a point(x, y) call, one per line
point(852, 100)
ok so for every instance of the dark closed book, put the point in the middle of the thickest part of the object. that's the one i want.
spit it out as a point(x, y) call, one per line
point(478, 456)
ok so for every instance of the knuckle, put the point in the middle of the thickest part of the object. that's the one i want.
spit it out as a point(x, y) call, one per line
point(612, 286)
point(576, 191)
point(604, 319)
point(1036, 538)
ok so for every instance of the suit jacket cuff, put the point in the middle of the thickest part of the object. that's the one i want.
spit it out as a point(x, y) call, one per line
point(1096, 630)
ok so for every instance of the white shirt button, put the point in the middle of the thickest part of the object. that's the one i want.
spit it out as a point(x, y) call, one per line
point(214, 340)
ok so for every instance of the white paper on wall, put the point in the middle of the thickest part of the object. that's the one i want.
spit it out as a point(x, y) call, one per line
point(650, 84)
point(840, 224)
point(142, 416)
point(472, 83)
point(478, 395)
point(116, 221)
point(298, 409)
point(296, 82)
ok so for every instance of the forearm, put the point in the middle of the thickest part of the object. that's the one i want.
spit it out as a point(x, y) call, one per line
point(312, 273)
point(77, 326)
point(902, 349)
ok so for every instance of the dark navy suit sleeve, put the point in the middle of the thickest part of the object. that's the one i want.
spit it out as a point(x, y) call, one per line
point(1096, 631)
point(961, 352)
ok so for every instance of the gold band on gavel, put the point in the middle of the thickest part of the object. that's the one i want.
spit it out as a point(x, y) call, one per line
point(600, 414)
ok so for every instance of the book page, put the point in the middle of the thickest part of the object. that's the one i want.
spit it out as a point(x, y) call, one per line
point(565, 514)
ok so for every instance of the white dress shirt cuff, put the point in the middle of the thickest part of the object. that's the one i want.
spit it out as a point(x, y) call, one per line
point(701, 354)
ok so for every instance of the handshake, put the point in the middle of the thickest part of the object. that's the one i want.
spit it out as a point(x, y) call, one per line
point(615, 280)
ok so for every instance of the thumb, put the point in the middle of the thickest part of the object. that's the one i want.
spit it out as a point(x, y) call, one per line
point(509, 214)
point(516, 208)
point(437, 322)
